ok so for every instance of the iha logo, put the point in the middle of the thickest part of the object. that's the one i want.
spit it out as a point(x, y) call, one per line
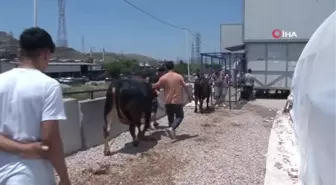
point(278, 34)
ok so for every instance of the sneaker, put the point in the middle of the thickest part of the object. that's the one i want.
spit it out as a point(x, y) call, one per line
point(171, 133)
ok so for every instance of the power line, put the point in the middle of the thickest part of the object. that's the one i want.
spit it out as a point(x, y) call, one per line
point(158, 19)
point(163, 21)
point(195, 36)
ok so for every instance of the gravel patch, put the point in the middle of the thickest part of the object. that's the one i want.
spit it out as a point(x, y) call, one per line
point(223, 147)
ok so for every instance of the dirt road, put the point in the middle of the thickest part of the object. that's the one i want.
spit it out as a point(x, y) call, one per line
point(226, 147)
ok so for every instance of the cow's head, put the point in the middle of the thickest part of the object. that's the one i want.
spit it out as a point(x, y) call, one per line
point(204, 84)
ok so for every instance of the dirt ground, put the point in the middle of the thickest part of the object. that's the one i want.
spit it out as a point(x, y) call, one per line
point(225, 147)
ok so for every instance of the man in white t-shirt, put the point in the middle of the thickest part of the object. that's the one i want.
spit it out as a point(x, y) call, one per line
point(31, 106)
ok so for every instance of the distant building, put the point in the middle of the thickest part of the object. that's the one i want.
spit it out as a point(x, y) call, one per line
point(3, 34)
point(62, 68)
point(272, 39)
point(144, 64)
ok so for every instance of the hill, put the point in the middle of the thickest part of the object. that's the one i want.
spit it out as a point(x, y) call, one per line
point(9, 47)
point(71, 53)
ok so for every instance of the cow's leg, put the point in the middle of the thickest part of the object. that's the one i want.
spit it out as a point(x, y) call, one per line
point(207, 102)
point(201, 105)
point(134, 137)
point(155, 123)
point(154, 108)
point(107, 138)
point(196, 101)
point(107, 135)
point(145, 121)
point(141, 133)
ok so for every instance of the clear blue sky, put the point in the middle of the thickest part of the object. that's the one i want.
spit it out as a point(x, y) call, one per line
point(121, 28)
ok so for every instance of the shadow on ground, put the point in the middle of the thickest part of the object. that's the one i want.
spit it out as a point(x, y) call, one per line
point(150, 142)
point(271, 96)
point(206, 111)
point(240, 104)
point(146, 144)
point(183, 137)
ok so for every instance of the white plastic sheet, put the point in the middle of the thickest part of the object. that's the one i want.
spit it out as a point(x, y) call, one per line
point(313, 110)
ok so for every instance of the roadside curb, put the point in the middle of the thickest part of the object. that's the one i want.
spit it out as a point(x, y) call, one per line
point(282, 157)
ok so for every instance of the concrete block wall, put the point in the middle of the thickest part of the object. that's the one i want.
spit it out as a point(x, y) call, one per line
point(84, 125)
point(92, 121)
point(70, 128)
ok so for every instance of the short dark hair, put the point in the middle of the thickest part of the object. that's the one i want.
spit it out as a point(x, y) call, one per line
point(249, 70)
point(33, 40)
point(170, 65)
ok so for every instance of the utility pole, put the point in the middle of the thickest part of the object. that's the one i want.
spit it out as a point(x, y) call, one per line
point(35, 13)
point(103, 54)
point(62, 38)
point(83, 45)
point(187, 53)
point(91, 52)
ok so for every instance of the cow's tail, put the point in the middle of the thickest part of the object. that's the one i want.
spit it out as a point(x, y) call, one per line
point(108, 107)
point(117, 101)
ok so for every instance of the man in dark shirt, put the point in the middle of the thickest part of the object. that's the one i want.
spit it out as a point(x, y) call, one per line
point(154, 79)
point(218, 86)
point(249, 79)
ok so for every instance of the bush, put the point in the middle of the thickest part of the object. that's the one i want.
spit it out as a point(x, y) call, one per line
point(125, 67)
point(128, 67)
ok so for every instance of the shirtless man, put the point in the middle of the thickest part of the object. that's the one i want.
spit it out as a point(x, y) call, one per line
point(173, 85)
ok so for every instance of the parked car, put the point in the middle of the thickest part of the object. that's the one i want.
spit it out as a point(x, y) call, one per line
point(108, 79)
point(67, 80)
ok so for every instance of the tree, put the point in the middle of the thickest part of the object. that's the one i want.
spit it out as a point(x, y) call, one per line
point(114, 68)
point(194, 68)
point(126, 71)
point(126, 67)
point(181, 68)
point(129, 63)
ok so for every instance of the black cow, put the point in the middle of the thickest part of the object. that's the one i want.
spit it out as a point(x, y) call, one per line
point(202, 90)
point(133, 102)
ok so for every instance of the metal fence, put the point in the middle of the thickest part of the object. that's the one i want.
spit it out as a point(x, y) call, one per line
point(232, 95)
point(87, 94)
point(231, 64)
